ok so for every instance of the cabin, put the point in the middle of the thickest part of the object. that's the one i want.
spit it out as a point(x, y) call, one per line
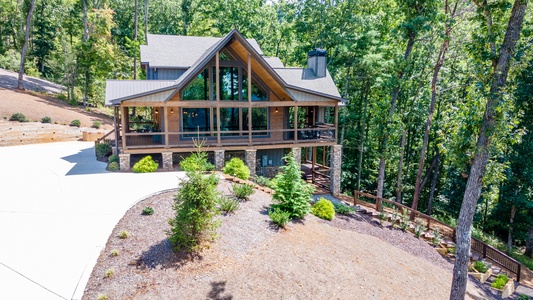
point(239, 102)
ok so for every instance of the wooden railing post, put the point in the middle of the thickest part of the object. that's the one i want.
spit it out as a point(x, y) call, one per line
point(354, 198)
point(518, 272)
point(378, 204)
point(484, 250)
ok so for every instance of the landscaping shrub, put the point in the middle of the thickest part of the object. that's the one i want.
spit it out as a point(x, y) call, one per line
point(236, 167)
point(148, 211)
point(195, 205)
point(195, 162)
point(262, 181)
point(46, 120)
point(323, 209)
point(102, 149)
point(97, 124)
point(18, 117)
point(75, 123)
point(436, 236)
point(292, 193)
point(405, 220)
point(123, 234)
point(500, 281)
point(109, 273)
point(279, 217)
point(113, 166)
point(113, 158)
point(243, 191)
point(344, 209)
point(523, 297)
point(419, 229)
point(114, 252)
point(227, 204)
point(382, 217)
point(481, 266)
point(102, 297)
point(145, 165)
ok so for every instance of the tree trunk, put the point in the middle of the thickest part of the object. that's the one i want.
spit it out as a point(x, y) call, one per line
point(135, 26)
point(399, 185)
point(385, 140)
point(85, 39)
point(510, 234)
point(436, 70)
point(347, 86)
point(362, 142)
point(20, 85)
point(146, 21)
point(529, 242)
point(477, 171)
point(433, 184)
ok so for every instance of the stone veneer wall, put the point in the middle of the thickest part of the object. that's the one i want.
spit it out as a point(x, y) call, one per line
point(336, 163)
point(219, 159)
point(250, 161)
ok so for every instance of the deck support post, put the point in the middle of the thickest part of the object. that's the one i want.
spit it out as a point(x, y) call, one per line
point(336, 163)
point(297, 153)
point(124, 162)
point(167, 161)
point(219, 160)
point(250, 157)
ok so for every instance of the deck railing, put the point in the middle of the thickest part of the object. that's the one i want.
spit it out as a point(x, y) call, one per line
point(482, 248)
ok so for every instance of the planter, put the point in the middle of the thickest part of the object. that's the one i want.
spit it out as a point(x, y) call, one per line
point(482, 277)
point(508, 288)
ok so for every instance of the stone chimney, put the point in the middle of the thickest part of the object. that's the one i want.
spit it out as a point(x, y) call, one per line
point(316, 61)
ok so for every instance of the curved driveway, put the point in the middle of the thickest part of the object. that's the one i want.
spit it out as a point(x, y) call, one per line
point(58, 206)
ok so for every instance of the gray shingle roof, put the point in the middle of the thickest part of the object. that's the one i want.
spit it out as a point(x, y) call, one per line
point(306, 79)
point(118, 89)
point(173, 51)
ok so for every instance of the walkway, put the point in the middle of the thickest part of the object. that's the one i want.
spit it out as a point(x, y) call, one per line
point(58, 206)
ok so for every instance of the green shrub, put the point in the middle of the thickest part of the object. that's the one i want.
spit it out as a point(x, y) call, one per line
point(382, 217)
point(196, 162)
point(114, 252)
point(262, 181)
point(18, 117)
point(279, 217)
point(113, 158)
point(344, 209)
point(148, 211)
point(75, 123)
point(195, 205)
point(46, 120)
point(236, 167)
point(323, 209)
point(102, 149)
point(97, 124)
point(500, 281)
point(243, 191)
point(102, 297)
point(436, 236)
point(109, 273)
point(292, 193)
point(405, 220)
point(523, 297)
point(481, 266)
point(123, 234)
point(419, 229)
point(145, 165)
point(113, 166)
point(227, 204)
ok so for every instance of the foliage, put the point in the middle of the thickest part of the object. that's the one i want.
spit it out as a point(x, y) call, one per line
point(114, 252)
point(113, 158)
point(46, 120)
point(124, 234)
point(261, 180)
point(195, 205)
point(102, 149)
point(113, 166)
point(342, 208)
point(75, 123)
point(481, 266)
point(279, 217)
point(292, 193)
point(227, 205)
point(109, 273)
point(323, 209)
point(383, 216)
point(145, 165)
point(405, 220)
point(419, 229)
point(500, 281)
point(18, 117)
point(242, 191)
point(236, 167)
point(102, 297)
point(196, 161)
point(436, 236)
point(97, 124)
point(148, 211)
point(523, 297)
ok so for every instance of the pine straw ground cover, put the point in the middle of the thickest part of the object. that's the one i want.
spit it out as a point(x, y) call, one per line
point(347, 258)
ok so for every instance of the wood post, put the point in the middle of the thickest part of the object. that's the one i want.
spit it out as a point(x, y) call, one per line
point(354, 198)
point(378, 204)
point(217, 75)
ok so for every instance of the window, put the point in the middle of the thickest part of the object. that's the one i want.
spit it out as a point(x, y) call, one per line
point(258, 94)
point(229, 120)
point(198, 89)
point(259, 120)
point(229, 83)
point(196, 120)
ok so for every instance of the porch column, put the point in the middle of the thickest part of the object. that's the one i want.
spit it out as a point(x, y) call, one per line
point(219, 160)
point(335, 175)
point(250, 160)
point(297, 153)
point(124, 162)
point(167, 161)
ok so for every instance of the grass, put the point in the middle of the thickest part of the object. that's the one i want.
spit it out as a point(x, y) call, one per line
point(109, 273)
point(114, 252)
point(123, 234)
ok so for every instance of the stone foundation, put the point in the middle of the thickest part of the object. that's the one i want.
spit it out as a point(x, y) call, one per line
point(124, 162)
point(336, 163)
point(250, 161)
point(167, 161)
point(297, 153)
point(219, 160)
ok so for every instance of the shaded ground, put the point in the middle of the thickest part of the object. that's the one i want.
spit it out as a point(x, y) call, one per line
point(9, 80)
point(252, 260)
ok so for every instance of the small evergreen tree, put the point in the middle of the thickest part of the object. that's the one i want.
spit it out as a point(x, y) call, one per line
point(292, 193)
point(195, 207)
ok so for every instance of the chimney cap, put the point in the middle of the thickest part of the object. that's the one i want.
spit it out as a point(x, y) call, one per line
point(317, 52)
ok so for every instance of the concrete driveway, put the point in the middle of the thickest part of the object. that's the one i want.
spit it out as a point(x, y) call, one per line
point(58, 206)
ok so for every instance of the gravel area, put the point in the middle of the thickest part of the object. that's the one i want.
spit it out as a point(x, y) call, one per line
point(347, 258)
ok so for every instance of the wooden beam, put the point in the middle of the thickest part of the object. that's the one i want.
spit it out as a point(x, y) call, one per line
point(336, 122)
point(296, 123)
point(217, 83)
point(250, 99)
point(165, 122)
point(124, 118)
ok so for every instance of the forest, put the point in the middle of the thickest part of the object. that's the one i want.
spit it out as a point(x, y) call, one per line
point(422, 79)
